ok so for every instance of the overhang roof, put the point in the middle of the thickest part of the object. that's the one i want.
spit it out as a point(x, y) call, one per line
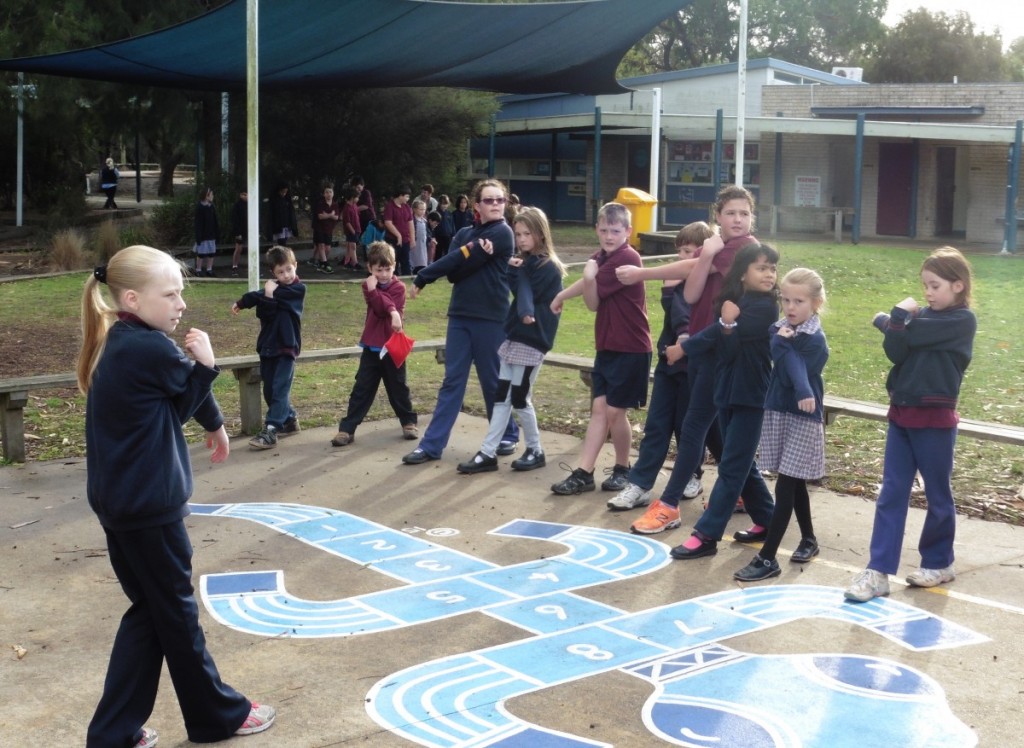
point(571, 47)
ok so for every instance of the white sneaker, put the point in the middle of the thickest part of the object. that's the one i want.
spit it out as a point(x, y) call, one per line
point(867, 585)
point(629, 497)
point(930, 577)
point(694, 488)
point(261, 716)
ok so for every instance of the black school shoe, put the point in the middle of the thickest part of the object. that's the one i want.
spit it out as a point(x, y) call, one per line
point(578, 481)
point(506, 448)
point(290, 427)
point(804, 552)
point(706, 548)
point(480, 463)
point(531, 460)
point(617, 480)
point(758, 569)
point(746, 536)
point(417, 457)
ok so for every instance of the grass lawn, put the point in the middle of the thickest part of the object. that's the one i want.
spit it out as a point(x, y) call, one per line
point(859, 281)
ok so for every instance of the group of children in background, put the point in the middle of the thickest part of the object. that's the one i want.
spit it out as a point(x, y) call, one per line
point(731, 376)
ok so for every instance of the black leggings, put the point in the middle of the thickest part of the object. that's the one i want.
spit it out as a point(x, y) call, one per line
point(790, 495)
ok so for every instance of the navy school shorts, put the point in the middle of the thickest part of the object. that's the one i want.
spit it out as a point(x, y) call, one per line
point(621, 378)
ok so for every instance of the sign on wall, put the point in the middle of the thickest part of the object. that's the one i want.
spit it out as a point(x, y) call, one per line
point(808, 192)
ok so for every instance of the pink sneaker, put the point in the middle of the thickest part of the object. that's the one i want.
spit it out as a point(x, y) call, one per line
point(658, 518)
point(261, 716)
point(149, 738)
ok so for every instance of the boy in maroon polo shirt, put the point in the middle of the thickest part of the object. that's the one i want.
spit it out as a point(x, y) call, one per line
point(622, 339)
point(385, 305)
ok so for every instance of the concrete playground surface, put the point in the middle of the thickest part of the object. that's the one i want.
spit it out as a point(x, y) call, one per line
point(415, 605)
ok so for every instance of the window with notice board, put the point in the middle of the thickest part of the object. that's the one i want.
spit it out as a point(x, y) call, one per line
point(690, 177)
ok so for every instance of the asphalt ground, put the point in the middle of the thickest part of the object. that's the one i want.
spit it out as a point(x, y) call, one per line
point(60, 605)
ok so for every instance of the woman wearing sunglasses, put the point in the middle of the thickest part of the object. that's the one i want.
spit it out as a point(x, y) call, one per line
point(476, 266)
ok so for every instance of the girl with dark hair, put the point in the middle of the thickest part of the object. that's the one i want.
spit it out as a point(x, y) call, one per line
point(746, 307)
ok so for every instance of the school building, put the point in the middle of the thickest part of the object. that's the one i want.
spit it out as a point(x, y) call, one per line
point(915, 161)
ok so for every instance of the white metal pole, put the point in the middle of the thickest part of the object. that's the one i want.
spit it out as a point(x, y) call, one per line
point(741, 97)
point(252, 140)
point(655, 180)
point(20, 204)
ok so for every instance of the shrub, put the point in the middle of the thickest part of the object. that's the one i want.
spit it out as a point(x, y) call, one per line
point(135, 233)
point(68, 250)
point(173, 221)
point(106, 242)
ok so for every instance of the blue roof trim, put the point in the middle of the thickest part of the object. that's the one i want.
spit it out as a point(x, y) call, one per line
point(759, 63)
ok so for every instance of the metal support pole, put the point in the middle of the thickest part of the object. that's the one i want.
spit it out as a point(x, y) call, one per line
point(492, 148)
point(655, 161)
point(1012, 187)
point(741, 96)
point(915, 183)
point(138, 160)
point(719, 128)
point(597, 161)
point(777, 184)
point(252, 140)
point(858, 178)
point(20, 205)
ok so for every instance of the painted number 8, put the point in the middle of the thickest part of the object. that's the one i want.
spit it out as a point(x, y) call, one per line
point(590, 651)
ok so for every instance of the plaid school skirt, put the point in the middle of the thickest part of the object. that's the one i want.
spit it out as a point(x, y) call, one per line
point(792, 445)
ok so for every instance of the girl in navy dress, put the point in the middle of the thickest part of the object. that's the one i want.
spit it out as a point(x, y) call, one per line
point(792, 435)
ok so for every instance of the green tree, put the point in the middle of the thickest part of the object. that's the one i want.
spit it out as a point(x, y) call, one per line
point(389, 136)
point(815, 33)
point(72, 125)
point(1014, 61)
point(926, 47)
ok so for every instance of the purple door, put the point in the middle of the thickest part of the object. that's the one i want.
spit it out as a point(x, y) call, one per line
point(895, 180)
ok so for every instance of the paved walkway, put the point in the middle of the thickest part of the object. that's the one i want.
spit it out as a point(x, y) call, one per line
point(415, 607)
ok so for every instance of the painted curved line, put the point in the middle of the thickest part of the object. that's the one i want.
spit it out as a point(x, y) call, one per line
point(621, 553)
point(749, 610)
point(272, 611)
point(422, 704)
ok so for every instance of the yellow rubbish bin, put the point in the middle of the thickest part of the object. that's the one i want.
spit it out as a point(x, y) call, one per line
point(642, 205)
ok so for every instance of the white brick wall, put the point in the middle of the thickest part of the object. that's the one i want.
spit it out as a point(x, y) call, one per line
point(814, 155)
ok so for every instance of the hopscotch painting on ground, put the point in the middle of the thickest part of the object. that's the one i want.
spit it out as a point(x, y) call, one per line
point(700, 686)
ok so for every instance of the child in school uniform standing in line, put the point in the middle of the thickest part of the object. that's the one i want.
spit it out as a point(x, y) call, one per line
point(141, 388)
point(535, 276)
point(385, 306)
point(793, 432)
point(739, 346)
point(930, 348)
point(622, 340)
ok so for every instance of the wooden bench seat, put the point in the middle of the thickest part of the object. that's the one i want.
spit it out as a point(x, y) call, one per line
point(987, 430)
point(246, 370)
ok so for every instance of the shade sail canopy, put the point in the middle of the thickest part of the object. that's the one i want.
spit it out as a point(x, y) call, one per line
point(560, 47)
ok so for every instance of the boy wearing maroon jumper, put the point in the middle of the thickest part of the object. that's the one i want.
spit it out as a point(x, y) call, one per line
point(385, 304)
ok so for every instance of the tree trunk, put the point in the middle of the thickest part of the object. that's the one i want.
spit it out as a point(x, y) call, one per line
point(168, 163)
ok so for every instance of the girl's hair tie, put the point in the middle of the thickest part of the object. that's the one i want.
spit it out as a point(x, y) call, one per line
point(100, 273)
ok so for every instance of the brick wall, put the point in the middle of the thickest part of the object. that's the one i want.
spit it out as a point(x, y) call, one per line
point(830, 157)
